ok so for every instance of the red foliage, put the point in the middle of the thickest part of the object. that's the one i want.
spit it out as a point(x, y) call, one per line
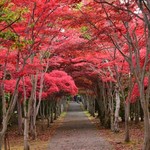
point(81, 43)
point(135, 91)
point(59, 81)
point(9, 85)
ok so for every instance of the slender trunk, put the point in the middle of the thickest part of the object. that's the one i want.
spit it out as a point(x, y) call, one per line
point(85, 102)
point(39, 97)
point(20, 129)
point(4, 109)
point(52, 113)
point(146, 131)
point(92, 106)
point(4, 139)
point(33, 128)
point(34, 111)
point(36, 108)
point(48, 115)
point(42, 115)
point(112, 115)
point(141, 113)
point(100, 103)
point(33, 114)
point(48, 121)
point(137, 112)
point(59, 108)
point(116, 121)
point(7, 115)
point(26, 135)
point(106, 98)
point(55, 110)
point(111, 107)
point(27, 113)
point(26, 125)
point(144, 104)
point(2, 135)
point(127, 111)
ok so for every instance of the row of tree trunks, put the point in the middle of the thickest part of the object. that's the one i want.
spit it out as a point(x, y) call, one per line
point(7, 112)
point(88, 102)
point(111, 109)
point(103, 103)
point(84, 101)
point(19, 110)
point(50, 110)
point(91, 104)
point(136, 112)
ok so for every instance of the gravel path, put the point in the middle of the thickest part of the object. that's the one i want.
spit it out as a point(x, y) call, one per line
point(77, 133)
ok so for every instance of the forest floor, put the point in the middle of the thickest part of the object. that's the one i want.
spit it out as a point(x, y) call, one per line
point(117, 139)
point(48, 138)
point(45, 133)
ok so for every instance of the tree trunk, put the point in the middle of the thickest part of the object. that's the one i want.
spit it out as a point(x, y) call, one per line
point(2, 135)
point(137, 112)
point(105, 101)
point(84, 102)
point(48, 121)
point(145, 103)
point(33, 113)
point(141, 113)
point(36, 108)
point(26, 125)
point(112, 115)
point(48, 115)
point(26, 135)
point(20, 129)
point(127, 111)
point(7, 115)
point(111, 108)
point(27, 112)
point(146, 132)
point(100, 103)
point(55, 110)
point(59, 108)
point(52, 118)
point(33, 132)
point(91, 106)
point(116, 121)
point(42, 115)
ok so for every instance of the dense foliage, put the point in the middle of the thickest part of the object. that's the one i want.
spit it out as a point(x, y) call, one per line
point(51, 47)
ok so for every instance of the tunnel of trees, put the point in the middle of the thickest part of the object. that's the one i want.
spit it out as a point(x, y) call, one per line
point(53, 49)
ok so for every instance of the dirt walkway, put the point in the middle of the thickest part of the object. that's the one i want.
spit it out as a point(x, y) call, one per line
point(77, 133)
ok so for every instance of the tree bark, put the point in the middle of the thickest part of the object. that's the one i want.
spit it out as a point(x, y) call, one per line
point(51, 112)
point(55, 110)
point(2, 136)
point(27, 113)
point(127, 111)
point(144, 103)
point(137, 112)
point(116, 121)
point(26, 135)
point(19, 108)
point(7, 115)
